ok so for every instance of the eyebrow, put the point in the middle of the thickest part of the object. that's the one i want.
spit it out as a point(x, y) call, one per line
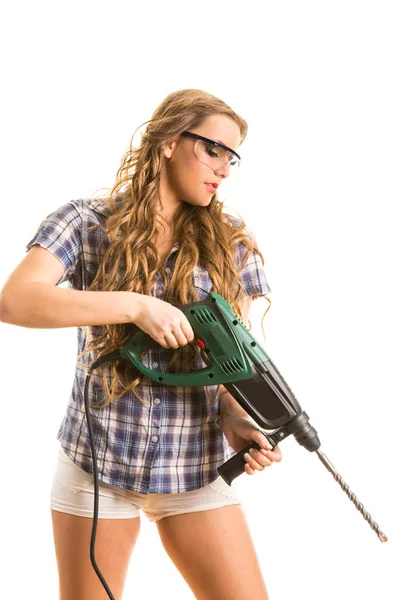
point(223, 144)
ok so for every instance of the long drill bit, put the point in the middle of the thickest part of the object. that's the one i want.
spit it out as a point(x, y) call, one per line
point(351, 495)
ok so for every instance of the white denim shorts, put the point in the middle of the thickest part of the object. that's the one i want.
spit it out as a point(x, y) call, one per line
point(73, 492)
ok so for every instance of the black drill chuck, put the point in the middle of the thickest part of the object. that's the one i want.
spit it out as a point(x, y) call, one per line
point(304, 433)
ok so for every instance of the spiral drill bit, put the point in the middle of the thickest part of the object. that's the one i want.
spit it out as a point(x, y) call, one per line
point(351, 496)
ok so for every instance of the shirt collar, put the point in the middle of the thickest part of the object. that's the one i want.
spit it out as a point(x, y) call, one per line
point(100, 205)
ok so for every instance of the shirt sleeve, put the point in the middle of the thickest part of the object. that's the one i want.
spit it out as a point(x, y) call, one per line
point(254, 279)
point(60, 234)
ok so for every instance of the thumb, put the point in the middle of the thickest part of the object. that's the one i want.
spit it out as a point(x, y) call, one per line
point(262, 441)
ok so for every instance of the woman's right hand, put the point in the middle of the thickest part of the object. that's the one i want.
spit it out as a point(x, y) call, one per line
point(165, 323)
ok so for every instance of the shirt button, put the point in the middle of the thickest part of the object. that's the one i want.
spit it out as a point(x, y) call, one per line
point(157, 401)
point(155, 365)
point(168, 269)
point(155, 438)
point(159, 292)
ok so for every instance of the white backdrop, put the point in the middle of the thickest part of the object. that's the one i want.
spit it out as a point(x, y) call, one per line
point(324, 186)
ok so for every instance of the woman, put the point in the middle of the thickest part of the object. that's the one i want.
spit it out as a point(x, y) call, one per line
point(158, 238)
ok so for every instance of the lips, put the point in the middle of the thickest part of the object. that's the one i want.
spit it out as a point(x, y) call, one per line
point(212, 186)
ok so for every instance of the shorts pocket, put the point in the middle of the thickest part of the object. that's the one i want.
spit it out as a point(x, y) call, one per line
point(221, 487)
point(72, 476)
point(87, 482)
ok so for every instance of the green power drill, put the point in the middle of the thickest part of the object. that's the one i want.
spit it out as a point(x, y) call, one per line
point(240, 364)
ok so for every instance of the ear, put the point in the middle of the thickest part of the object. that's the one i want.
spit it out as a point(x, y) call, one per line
point(168, 147)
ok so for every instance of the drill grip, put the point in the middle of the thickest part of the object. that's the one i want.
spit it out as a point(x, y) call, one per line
point(235, 465)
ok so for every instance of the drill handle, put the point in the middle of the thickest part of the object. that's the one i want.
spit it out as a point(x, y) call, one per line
point(300, 427)
point(235, 465)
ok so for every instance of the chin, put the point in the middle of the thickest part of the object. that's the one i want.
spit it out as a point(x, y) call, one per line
point(200, 201)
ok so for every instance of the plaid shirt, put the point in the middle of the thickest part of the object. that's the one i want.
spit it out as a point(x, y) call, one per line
point(167, 445)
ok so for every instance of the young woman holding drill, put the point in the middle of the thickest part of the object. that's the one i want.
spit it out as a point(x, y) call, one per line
point(159, 237)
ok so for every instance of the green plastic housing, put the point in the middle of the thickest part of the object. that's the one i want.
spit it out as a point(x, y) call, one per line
point(225, 339)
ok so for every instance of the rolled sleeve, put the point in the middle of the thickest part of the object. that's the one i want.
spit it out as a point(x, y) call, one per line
point(253, 276)
point(60, 234)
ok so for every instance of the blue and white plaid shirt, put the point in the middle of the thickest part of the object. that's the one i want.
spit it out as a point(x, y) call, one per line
point(168, 445)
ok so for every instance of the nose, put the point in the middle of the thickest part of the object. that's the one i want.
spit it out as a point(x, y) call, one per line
point(223, 171)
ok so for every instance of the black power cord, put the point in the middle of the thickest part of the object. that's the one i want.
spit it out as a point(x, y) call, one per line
point(107, 357)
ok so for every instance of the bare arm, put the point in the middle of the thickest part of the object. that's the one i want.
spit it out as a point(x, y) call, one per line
point(30, 298)
point(38, 304)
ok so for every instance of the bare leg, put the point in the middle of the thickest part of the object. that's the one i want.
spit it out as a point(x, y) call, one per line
point(114, 543)
point(214, 553)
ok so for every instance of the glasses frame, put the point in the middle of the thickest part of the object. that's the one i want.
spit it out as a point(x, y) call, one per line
point(196, 136)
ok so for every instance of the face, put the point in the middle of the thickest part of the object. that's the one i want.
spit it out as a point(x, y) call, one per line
point(184, 176)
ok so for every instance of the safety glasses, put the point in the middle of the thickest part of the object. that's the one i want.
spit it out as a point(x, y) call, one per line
point(213, 154)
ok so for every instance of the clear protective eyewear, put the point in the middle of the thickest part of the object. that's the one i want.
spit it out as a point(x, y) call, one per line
point(213, 154)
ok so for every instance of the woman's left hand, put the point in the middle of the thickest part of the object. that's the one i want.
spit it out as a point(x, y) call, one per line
point(240, 432)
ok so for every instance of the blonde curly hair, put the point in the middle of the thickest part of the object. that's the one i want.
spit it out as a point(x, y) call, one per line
point(206, 236)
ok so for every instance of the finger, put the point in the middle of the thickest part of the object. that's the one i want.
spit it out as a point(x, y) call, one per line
point(260, 457)
point(248, 469)
point(163, 342)
point(253, 463)
point(277, 449)
point(171, 340)
point(179, 336)
point(187, 330)
point(272, 455)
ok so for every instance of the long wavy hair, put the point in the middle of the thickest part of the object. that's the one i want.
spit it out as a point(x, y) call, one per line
point(207, 236)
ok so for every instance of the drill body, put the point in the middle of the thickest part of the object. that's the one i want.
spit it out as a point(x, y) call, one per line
point(243, 367)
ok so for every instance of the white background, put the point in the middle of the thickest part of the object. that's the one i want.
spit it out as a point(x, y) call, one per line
point(324, 186)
